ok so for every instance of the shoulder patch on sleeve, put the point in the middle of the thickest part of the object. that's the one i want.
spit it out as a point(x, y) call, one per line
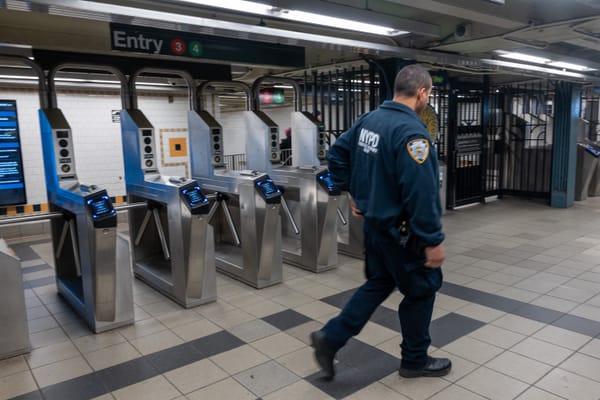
point(418, 149)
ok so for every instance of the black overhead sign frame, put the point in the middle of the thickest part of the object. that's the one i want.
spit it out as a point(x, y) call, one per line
point(138, 39)
point(48, 59)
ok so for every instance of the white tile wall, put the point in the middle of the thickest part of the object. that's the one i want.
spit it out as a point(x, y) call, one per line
point(97, 140)
point(234, 134)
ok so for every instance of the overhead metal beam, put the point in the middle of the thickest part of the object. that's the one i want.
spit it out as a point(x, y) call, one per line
point(357, 14)
point(184, 23)
point(439, 7)
point(590, 3)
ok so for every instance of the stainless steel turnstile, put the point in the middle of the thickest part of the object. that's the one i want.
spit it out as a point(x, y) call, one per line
point(14, 339)
point(587, 163)
point(93, 265)
point(250, 204)
point(310, 236)
point(172, 241)
point(594, 188)
point(350, 237)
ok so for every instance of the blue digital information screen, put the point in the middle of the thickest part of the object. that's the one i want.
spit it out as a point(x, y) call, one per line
point(12, 180)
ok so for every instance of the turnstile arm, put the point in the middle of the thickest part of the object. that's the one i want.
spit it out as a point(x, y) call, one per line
point(342, 217)
point(73, 231)
point(289, 215)
point(159, 229)
point(138, 237)
point(61, 241)
point(212, 211)
point(161, 235)
point(234, 233)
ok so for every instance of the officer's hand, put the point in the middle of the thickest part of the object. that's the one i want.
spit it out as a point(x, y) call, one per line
point(435, 256)
point(355, 211)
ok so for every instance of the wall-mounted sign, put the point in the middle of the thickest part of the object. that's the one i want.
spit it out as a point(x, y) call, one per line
point(271, 96)
point(439, 78)
point(12, 181)
point(137, 39)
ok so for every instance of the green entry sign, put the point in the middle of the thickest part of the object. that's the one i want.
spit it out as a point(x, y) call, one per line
point(137, 39)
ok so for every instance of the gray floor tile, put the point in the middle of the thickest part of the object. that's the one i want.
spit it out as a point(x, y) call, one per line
point(359, 365)
point(286, 319)
point(34, 283)
point(216, 343)
point(36, 268)
point(174, 357)
point(450, 327)
point(537, 313)
point(125, 374)
point(577, 324)
point(339, 300)
point(253, 330)
point(82, 388)
point(37, 395)
point(25, 252)
point(266, 378)
point(386, 317)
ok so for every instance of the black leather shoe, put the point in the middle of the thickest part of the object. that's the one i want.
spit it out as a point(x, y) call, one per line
point(323, 354)
point(434, 367)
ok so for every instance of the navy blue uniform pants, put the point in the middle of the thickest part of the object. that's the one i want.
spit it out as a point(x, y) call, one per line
point(389, 266)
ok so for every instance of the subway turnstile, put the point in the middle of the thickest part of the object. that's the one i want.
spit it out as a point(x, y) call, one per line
point(172, 241)
point(310, 236)
point(350, 238)
point(93, 264)
point(13, 317)
point(248, 230)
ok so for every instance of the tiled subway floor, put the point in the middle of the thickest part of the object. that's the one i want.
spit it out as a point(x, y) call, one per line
point(519, 315)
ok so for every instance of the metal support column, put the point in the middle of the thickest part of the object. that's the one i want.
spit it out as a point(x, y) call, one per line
point(566, 114)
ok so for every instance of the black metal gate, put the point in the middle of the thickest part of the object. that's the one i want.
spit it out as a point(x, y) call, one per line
point(528, 139)
point(465, 148)
point(590, 115)
point(339, 97)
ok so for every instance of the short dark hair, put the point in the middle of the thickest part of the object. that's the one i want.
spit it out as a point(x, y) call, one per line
point(410, 79)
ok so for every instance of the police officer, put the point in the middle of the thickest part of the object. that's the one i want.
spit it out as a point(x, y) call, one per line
point(387, 163)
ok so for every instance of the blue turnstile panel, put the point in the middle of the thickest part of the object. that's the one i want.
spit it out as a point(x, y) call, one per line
point(194, 199)
point(268, 190)
point(324, 180)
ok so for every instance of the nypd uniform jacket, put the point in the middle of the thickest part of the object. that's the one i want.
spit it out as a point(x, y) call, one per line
point(386, 162)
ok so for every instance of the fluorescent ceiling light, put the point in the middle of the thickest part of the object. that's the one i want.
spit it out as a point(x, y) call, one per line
point(525, 57)
point(18, 77)
point(537, 68)
point(237, 5)
point(566, 65)
point(541, 60)
point(298, 16)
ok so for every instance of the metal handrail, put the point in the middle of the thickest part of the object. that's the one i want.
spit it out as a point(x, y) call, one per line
point(187, 77)
point(280, 80)
point(55, 215)
point(39, 72)
point(235, 84)
point(125, 95)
